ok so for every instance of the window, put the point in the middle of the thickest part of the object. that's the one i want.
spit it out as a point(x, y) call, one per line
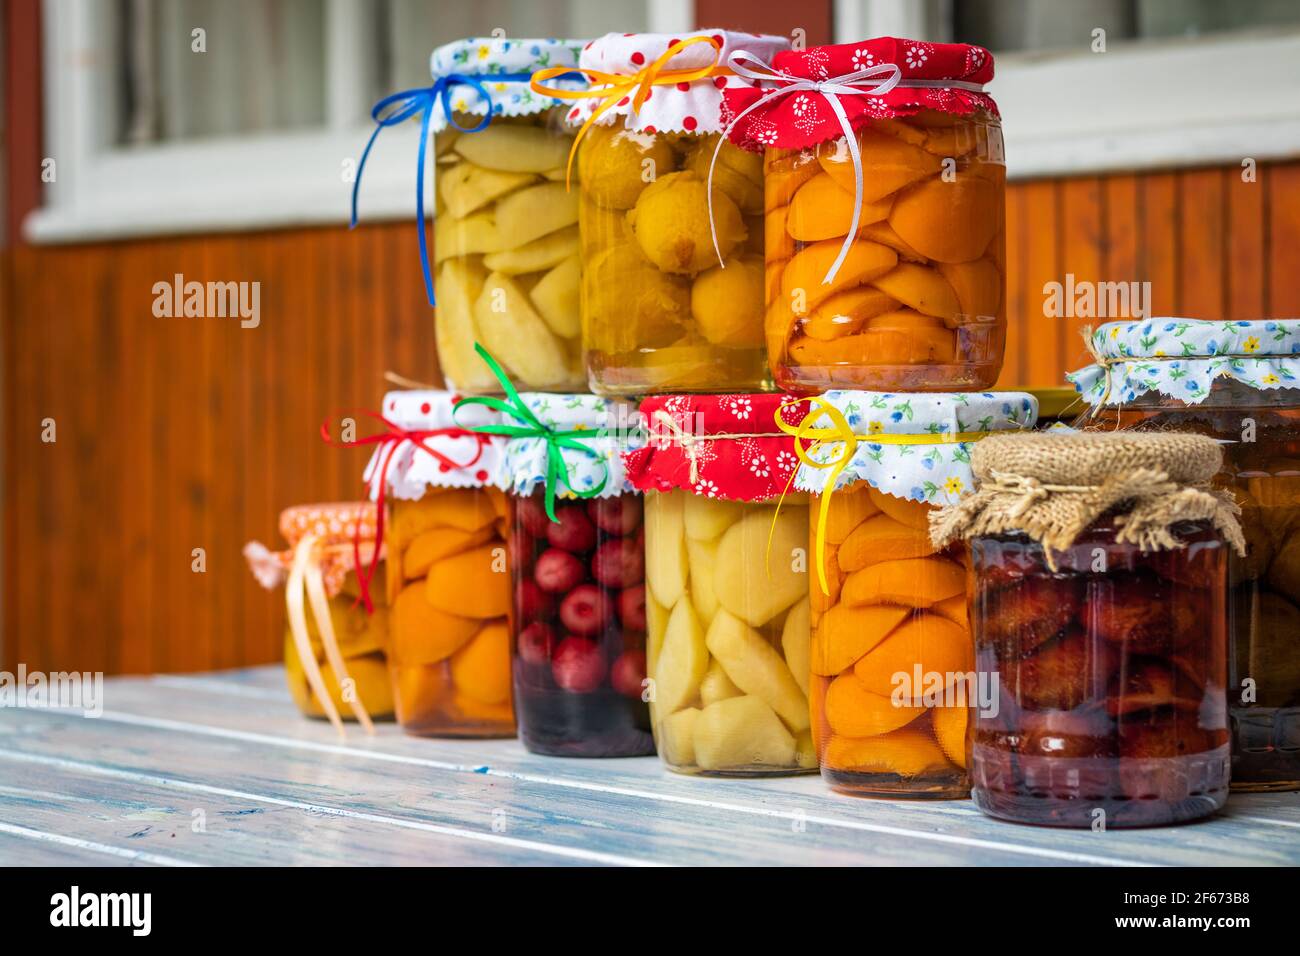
point(200, 115)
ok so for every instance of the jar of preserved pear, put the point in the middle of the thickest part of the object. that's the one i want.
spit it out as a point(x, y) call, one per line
point(1237, 382)
point(892, 658)
point(885, 258)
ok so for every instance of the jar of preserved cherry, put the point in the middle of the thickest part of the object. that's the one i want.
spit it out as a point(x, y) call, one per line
point(1238, 382)
point(1100, 623)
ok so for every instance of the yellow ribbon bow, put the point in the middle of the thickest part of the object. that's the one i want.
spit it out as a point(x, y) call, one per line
point(613, 87)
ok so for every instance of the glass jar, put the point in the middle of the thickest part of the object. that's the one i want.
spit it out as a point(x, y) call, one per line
point(579, 626)
point(660, 313)
point(1241, 403)
point(891, 651)
point(1111, 669)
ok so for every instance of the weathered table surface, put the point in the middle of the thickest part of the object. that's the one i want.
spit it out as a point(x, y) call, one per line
point(221, 769)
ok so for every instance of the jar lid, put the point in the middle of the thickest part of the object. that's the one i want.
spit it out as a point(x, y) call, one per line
point(427, 448)
point(607, 428)
point(337, 526)
point(718, 446)
point(805, 117)
point(1181, 358)
point(504, 68)
point(913, 446)
point(682, 107)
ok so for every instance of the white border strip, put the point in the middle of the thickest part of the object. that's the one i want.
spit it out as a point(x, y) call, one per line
point(135, 856)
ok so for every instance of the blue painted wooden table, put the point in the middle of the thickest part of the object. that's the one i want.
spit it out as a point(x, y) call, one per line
point(221, 769)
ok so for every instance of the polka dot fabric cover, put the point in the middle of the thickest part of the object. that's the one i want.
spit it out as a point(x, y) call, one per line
point(336, 525)
point(681, 108)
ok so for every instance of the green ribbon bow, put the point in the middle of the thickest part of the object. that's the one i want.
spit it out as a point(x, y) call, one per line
point(533, 427)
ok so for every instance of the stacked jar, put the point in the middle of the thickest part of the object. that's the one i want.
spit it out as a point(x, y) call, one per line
point(577, 561)
point(659, 311)
point(727, 595)
point(1238, 382)
point(334, 646)
point(885, 215)
point(892, 657)
point(448, 584)
point(1099, 615)
point(506, 228)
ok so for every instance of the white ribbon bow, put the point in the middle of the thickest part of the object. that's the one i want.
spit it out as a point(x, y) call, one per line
point(875, 80)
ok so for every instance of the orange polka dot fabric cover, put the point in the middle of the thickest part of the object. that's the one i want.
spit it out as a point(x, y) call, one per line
point(344, 529)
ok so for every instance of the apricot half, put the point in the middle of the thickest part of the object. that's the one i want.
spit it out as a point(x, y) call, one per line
point(845, 633)
point(846, 312)
point(915, 582)
point(948, 221)
point(921, 288)
point(481, 669)
point(423, 634)
point(822, 210)
point(908, 752)
point(854, 711)
point(888, 164)
point(471, 584)
point(806, 270)
point(935, 643)
point(977, 284)
point(882, 538)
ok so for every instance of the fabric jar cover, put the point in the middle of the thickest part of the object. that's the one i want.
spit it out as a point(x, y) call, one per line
point(693, 107)
point(411, 469)
point(718, 446)
point(335, 525)
point(934, 471)
point(1181, 358)
point(488, 57)
point(806, 118)
point(613, 426)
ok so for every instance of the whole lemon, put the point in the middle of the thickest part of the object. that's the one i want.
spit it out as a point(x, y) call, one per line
point(616, 165)
point(671, 223)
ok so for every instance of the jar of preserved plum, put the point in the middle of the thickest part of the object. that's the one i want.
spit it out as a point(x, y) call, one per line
point(892, 658)
point(727, 585)
point(334, 651)
point(1100, 625)
point(448, 584)
point(659, 311)
point(505, 228)
point(577, 564)
point(885, 257)
point(1238, 382)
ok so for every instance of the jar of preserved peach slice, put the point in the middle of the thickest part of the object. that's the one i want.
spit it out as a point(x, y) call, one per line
point(1238, 382)
point(335, 664)
point(448, 583)
point(1100, 618)
point(727, 595)
point(884, 270)
point(892, 658)
point(659, 313)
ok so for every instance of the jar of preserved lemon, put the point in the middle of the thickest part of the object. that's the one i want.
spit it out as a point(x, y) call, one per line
point(1238, 382)
point(885, 255)
point(892, 657)
point(448, 584)
point(334, 651)
point(660, 313)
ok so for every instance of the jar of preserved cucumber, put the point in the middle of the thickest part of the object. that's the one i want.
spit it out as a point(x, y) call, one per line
point(660, 313)
point(892, 657)
point(1099, 562)
point(884, 215)
point(1238, 382)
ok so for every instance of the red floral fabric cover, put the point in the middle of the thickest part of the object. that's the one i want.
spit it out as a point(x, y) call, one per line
point(748, 459)
point(805, 118)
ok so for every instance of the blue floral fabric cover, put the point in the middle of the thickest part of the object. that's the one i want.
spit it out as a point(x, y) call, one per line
point(613, 427)
point(486, 57)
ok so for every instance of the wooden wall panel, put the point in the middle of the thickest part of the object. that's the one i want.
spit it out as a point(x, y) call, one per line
point(182, 433)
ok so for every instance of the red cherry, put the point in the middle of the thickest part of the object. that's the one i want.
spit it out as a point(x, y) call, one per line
point(531, 602)
point(578, 665)
point(628, 672)
point(619, 563)
point(585, 610)
point(615, 515)
point(631, 608)
point(558, 571)
point(535, 643)
point(573, 532)
point(532, 515)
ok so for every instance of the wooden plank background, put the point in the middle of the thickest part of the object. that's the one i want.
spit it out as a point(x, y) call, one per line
point(175, 434)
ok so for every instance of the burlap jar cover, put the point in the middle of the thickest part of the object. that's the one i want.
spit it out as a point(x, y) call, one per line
point(1053, 486)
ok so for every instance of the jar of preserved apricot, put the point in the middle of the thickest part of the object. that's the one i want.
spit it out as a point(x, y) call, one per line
point(884, 214)
point(727, 585)
point(659, 311)
point(1238, 382)
point(448, 584)
point(334, 651)
point(892, 658)
point(1100, 625)
point(577, 565)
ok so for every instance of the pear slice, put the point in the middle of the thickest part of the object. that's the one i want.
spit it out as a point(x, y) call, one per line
point(459, 283)
point(751, 586)
point(514, 149)
point(706, 518)
point(795, 640)
point(703, 558)
point(717, 686)
point(665, 552)
point(676, 738)
point(741, 733)
point(475, 234)
point(683, 660)
point(515, 334)
point(536, 256)
point(465, 187)
point(757, 669)
point(556, 298)
point(533, 212)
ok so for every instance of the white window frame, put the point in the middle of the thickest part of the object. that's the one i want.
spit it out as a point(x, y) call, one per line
point(102, 191)
point(1219, 99)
